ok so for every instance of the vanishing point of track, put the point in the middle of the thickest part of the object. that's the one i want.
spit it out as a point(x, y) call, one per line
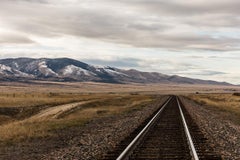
point(170, 134)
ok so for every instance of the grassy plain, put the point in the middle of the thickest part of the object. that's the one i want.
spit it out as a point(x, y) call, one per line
point(21, 102)
point(91, 87)
point(16, 128)
point(227, 104)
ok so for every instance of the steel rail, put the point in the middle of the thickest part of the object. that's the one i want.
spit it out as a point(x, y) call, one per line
point(135, 141)
point(190, 142)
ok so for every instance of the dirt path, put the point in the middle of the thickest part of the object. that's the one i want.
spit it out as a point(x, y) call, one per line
point(54, 112)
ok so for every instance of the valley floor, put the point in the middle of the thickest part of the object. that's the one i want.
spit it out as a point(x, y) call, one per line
point(48, 120)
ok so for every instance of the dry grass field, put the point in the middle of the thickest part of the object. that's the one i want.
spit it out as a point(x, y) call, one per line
point(226, 104)
point(60, 110)
point(49, 113)
point(34, 109)
point(91, 87)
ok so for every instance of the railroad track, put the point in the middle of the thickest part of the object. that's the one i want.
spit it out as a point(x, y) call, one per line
point(169, 134)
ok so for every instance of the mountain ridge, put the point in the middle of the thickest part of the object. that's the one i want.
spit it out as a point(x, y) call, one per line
point(66, 69)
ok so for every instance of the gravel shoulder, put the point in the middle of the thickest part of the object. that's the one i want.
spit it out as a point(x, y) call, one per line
point(222, 134)
point(90, 141)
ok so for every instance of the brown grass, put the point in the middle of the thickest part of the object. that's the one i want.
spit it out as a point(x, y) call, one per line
point(227, 104)
point(109, 99)
point(36, 99)
point(109, 105)
point(90, 87)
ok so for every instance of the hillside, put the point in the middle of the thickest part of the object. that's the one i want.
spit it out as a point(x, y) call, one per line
point(65, 69)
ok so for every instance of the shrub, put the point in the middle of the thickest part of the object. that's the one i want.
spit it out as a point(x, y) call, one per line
point(236, 94)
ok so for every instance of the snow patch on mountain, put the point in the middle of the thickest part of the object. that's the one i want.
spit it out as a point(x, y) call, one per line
point(43, 68)
point(71, 69)
point(8, 70)
point(112, 71)
point(16, 65)
point(5, 68)
point(21, 74)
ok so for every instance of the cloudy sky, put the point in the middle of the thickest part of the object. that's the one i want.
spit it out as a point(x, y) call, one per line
point(197, 38)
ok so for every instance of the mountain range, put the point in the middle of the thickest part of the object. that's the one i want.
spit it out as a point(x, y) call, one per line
point(65, 69)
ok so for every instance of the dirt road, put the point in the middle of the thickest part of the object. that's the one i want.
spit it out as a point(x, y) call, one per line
point(54, 112)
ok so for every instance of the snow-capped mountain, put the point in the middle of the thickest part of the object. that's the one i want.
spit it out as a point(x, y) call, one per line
point(65, 69)
point(8, 71)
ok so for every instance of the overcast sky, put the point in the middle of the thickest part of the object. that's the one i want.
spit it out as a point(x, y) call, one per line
point(197, 38)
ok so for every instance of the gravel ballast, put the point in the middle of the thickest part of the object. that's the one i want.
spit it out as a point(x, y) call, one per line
point(222, 134)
